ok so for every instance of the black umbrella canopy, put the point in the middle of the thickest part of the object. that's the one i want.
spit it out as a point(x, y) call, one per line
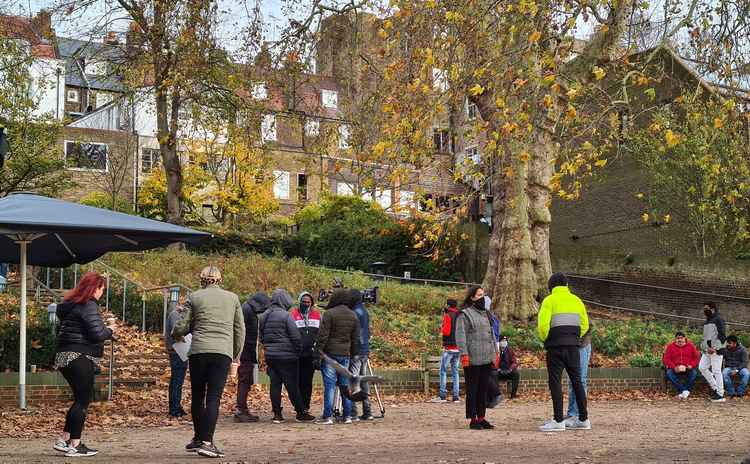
point(64, 233)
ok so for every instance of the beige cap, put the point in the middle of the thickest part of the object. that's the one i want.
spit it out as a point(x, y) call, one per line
point(210, 274)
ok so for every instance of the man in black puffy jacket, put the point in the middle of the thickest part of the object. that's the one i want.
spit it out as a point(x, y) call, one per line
point(255, 305)
point(283, 345)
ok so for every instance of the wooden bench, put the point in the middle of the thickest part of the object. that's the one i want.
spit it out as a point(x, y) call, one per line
point(431, 374)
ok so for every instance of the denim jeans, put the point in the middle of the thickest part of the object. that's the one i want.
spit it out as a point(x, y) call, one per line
point(452, 358)
point(176, 380)
point(744, 376)
point(585, 352)
point(674, 377)
point(330, 379)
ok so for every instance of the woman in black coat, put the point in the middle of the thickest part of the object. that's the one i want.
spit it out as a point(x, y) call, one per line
point(80, 346)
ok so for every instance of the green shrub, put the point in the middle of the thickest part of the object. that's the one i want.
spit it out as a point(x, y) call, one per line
point(104, 200)
point(40, 337)
point(645, 360)
point(231, 242)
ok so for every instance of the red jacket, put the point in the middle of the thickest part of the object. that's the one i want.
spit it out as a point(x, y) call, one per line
point(686, 355)
point(449, 329)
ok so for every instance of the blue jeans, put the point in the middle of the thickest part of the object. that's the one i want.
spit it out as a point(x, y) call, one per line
point(674, 377)
point(744, 376)
point(330, 379)
point(585, 353)
point(452, 357)
point(178, 368)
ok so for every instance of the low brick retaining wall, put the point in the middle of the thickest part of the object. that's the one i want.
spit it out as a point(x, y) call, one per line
point(51, 386)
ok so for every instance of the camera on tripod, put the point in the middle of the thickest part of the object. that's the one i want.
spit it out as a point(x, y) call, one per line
point(369, 295)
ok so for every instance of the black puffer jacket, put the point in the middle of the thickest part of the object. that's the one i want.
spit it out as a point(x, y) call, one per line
point(254, 305)
point(81, 329)
point(278, 332)
point(339, 329)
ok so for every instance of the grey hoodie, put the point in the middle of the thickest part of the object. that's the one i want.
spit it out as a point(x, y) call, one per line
point(714, 333)
point(278, 331)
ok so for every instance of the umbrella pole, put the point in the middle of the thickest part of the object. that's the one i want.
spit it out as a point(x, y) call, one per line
point(22, 323)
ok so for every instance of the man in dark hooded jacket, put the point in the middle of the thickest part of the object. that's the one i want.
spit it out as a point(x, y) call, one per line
point(339, 339)
point(255, 305)
point(307, 318)
point(359, 363)
point(283, 345)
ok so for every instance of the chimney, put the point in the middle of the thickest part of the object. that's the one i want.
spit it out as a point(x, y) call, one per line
point(42, 23)
point(111, 38)
point(134, 39)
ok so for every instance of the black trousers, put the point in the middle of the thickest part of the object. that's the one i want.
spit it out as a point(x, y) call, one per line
point(208, 375)
point(514, 378)
point(477, 381)
point(284, 372)
point(306, 374)
point(569, 359)
point(80, 376)
point(244, 382)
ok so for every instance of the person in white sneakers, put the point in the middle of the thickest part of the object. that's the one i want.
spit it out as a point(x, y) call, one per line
point(561, 322)
point(714, 338)
point(681, 360)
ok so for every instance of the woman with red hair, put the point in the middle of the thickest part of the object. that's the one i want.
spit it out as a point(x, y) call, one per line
point(80, 346)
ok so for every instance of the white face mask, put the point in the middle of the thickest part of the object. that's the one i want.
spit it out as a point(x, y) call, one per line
point(504, 344)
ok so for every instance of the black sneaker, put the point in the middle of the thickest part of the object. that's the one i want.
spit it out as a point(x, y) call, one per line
point(80, 451)
point(486, 425)
point(245, 416)
point(366, 417)
point(716, 398)
point(193, 445)
point(278, 419)
point(305, 417)
point(475, 426)
point(210, 451)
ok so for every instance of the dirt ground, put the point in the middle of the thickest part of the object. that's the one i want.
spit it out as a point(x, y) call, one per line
point(623, 432)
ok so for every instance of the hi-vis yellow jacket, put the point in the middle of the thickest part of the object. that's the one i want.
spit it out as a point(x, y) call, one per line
point(562, 319)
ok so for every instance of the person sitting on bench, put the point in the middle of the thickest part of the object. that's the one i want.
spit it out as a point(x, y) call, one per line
point(508, 369)
point(681, 359)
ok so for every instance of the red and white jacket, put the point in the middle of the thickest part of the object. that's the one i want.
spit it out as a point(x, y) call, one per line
point(308, 325)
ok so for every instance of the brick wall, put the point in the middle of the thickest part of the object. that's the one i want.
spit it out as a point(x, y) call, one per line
point(667, 301)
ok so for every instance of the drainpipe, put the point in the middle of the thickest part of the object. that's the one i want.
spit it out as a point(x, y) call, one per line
point(57, 100)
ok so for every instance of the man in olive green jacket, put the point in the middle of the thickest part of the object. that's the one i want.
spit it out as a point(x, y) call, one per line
point(214, 317)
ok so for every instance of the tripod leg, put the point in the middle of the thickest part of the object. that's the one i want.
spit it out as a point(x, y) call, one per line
point(336, 403)
point(377, 391)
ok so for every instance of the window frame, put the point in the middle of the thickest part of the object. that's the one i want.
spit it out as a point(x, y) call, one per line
point(326, 102)
point(344, 135)
point(312, 122)
point(69, 168)
point(277, 175)
point(299, 187)
point(259, 91)
point(265, 131)
point(152, 165)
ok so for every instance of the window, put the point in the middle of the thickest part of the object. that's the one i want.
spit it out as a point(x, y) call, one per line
point(474, 155)
point(86, 156)
point(439, 79)
point(72, 96)
point(342, 188)
point(302, 187)
point(95, 68)
point(312, 128)
point(150, 159)
point(281, 185)
point(259, 91)
point(406, 199)
point(383, 197)
point(102, 98)
point(343, 136)
point(471, 111)
point(268, 128)
point(441, 138)
point(329, 98)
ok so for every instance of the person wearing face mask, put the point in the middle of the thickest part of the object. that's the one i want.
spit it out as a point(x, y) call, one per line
point(307, 318)
point(508, 368)
point(476, 343)
point(712, 345)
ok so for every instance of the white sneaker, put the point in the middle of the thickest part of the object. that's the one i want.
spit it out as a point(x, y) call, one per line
point(575, 424)
point(552, 426)
point(438, 400)
point(570, 420)
point(324, 421)
point(348, 420)
point(685, 394)
point(61, 445)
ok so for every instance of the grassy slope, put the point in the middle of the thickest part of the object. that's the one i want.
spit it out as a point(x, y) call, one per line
point(405, 323)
